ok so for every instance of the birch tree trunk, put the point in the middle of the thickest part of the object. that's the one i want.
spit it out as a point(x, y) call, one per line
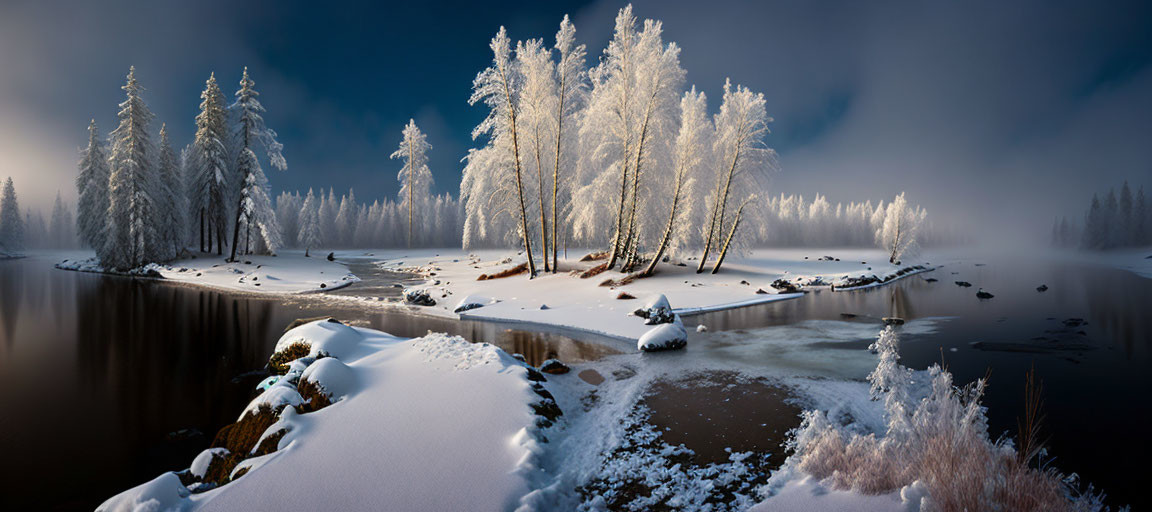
point(731, 233)
point(519, 178)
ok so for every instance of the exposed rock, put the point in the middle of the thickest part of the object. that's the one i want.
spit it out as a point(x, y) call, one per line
point(893, 320)
point(554, 367)
point(331, 256)
point(784, 286)
point(419, 297)
point(930, 280)
point(964, 284)
point(981, 294)
point(625, 296)
point(1042, 288)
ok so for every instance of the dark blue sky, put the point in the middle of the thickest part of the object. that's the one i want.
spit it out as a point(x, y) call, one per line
point(960, 104)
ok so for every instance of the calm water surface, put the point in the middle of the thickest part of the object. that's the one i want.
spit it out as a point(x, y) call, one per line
point(106, 382)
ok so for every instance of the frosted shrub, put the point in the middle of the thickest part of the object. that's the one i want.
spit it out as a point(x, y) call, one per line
point(939, 443)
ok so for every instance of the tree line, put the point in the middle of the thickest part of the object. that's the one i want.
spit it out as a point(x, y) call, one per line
point(1117, 221)
point(32, 230)
point(619, 156)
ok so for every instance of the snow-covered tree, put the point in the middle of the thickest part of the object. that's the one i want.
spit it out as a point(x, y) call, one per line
point(309, 235)
point(208, 190)
point(570, 96)
point(692, 150)
point(170, 202)
point(537, 100)
point(11, 225)
point(133, 238)
point(92, 187)
point(897, 236)
point(254, 207)
point(329, 209)
point(498, 88)
point(346, 219)
point(745, 162)
point(60, 231)
point(288, 216)
point(415, 177)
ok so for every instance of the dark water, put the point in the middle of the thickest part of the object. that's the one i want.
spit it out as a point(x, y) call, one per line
point(98, 372)
point(1097, 377)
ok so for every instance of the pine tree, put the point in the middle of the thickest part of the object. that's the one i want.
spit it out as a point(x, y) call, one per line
point(92, 187)
point(309, 235)
point(60, 228)
point(346, 219)
point(415, 177)
point(132, 236)
point(254, 208)
point(208, 192)
point(170, 200)
point(11, 225)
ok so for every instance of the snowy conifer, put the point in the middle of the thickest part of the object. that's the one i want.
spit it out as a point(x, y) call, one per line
point(309, 235)
point(170, 203)
point(11, 225)
point(208, 192)
point(92, 187)
point(254, 208)
point(415, 177)
point(133, 239)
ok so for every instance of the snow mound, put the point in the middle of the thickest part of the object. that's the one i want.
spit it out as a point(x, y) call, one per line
point(663, 337)
point(164, 493)
point(472, 302)
point(437, 346)
point(333, 376)
point(332, 337)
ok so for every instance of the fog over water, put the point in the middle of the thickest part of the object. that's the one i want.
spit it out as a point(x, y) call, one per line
point(996, 116)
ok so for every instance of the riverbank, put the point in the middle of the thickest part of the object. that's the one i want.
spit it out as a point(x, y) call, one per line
point(364, 420)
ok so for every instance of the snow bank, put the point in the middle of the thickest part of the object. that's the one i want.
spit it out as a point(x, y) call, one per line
point(289, 272)
point(165, 494)
point(433, 423)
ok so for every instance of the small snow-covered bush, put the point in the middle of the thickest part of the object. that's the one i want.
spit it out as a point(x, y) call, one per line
point(938, 444)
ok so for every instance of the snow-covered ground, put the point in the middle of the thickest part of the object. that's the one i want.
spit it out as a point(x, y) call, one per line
point(433, 423)
point(567, 301)
point(1138, 261)
point(288, 272)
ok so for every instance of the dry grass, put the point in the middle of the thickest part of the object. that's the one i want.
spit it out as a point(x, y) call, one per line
point(278, 363)
point(595, 256)
point(241, 437)
point(514, 271)
point(939, 444)
point(594, 271)
point(314, 395)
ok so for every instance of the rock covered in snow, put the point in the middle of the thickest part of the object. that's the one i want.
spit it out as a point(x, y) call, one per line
point(656, 311)
point(200, 463)
point(419, 297)
point(554, 367)
point(663, 337)
point(332, 375)
point(324, 336)
point(701, 328)
point(471, 302)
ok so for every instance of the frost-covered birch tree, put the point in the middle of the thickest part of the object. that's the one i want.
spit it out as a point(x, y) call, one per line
point(570, 96)
point(208, 191)
point(133, 239)
point(254, 207)
point(692, 150)
point(415, 177)
point(498, 88)
point(897, 236)
point(92, 188)
point(745, 162)
point(537, 100)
